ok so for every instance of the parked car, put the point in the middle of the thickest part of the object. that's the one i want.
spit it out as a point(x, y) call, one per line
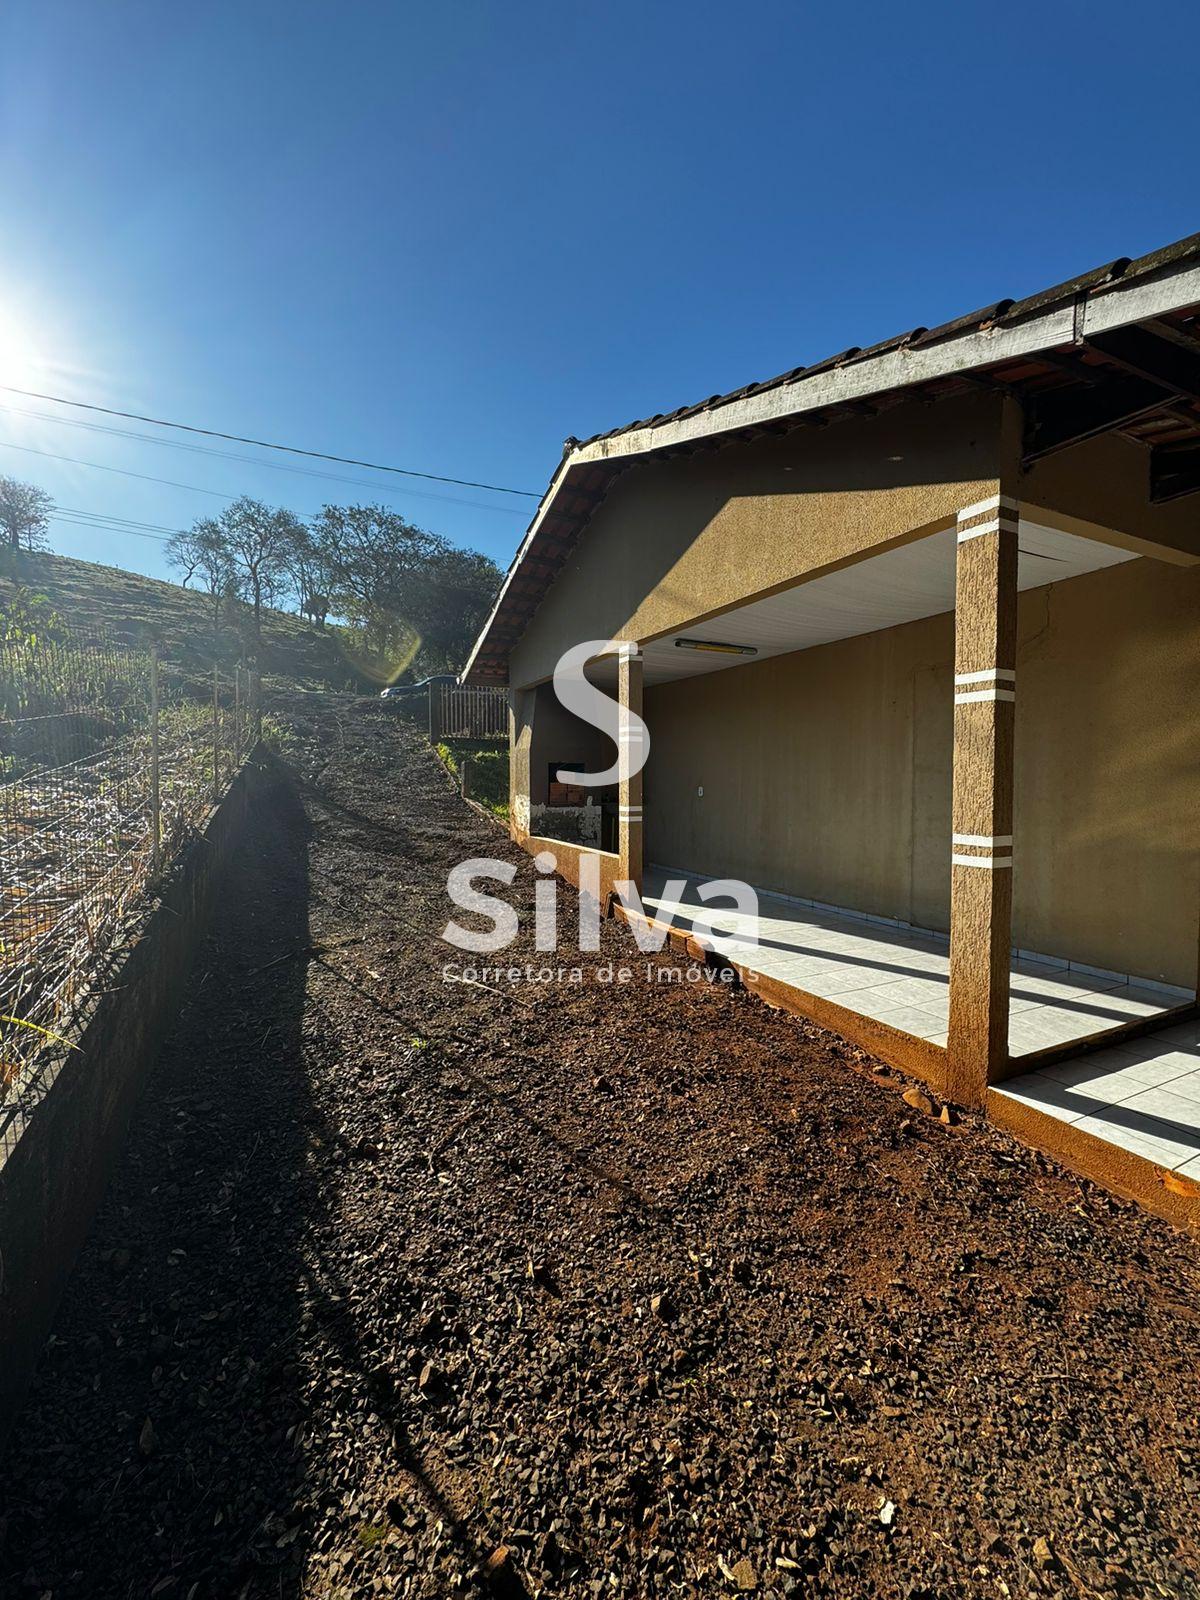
point(400, 691)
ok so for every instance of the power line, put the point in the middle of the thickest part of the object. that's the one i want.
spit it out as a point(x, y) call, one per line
point(124, 471)
point(254, 461)
point(93, 527)
point(106, 516)
point(225, 455)
point(264, 444)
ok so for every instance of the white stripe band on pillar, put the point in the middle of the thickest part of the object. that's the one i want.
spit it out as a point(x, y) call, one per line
point(981, 861)
point(1010, 524)
point(988, 840)
point(984, 694)
point(991, 675)
point(630, 813)
point(992, 503)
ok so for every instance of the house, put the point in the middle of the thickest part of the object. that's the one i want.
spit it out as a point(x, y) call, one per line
point(918, 650)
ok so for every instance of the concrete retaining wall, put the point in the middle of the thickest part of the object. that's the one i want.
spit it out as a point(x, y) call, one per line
point(57, 1153)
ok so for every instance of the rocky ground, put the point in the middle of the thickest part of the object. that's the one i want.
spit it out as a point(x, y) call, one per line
point(407, 1287)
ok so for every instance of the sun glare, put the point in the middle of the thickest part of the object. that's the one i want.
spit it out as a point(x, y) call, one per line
point(22, 364)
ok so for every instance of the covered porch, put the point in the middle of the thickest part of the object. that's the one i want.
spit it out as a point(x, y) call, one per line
point(848, 748)
point(830, 592)
point(1084, 1040)
point(1103, 1052)
point(899, 975)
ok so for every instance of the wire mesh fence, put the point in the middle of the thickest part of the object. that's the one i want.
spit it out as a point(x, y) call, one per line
point(109, 758)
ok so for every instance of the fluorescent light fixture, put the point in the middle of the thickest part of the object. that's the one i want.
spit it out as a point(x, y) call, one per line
point(715, 648)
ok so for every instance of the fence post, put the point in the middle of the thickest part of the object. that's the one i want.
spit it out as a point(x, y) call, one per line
point(155, 793)
point(256, 692)
point(237, 712)
point(435, 708)
point(468, 777)
point(216, 733)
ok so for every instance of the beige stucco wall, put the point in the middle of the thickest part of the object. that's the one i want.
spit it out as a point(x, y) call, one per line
point(1106, 481)
point(827, 773)
point(680, 539)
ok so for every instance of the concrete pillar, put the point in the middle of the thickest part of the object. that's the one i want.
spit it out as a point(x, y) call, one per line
point(982, 847)
point(521, 706)
point(629, 694)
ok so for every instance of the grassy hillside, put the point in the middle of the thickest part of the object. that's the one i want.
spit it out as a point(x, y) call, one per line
point(135, 610)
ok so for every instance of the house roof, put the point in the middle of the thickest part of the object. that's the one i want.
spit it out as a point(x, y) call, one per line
point(1114, 349)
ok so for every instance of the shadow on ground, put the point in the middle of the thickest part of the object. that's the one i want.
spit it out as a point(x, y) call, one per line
point(161, 1434)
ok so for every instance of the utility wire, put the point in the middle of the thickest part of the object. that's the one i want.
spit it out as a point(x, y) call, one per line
point(234, 455)
point(107, 516)
point(95, 527)
point(264, 444)
point(227, 455)
point(124, 471)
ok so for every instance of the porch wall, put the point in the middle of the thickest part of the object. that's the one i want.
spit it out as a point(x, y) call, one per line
point(827, 773)
point(683, 538)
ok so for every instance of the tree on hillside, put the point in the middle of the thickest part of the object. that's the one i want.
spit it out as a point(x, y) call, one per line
point(259, 540)
point(308, 572)
point(460, 588)
point(405, 589)
point(24, 514)
point(202, 551)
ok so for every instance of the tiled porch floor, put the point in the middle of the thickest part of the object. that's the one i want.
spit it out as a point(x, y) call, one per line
point(901, 977)
point(1143, 1095)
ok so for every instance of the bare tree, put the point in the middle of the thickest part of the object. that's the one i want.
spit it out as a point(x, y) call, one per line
point(24, 514)
point(250, 551)
point(258, 540)
point(203, 551)
point(307, 569)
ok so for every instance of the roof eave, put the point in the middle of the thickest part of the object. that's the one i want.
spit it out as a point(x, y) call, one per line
point(1162, 283)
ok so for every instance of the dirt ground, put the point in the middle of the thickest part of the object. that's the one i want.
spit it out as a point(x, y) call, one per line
point(407, 1287)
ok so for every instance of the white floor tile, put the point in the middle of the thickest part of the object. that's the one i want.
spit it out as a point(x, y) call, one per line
point(843, 981)
point(1153, 1067)
point(1133, 1001)
point(926, 993)
point(1017, 1002)
point(910, 1019)
point(1097, 1067)
point(1057, 982)
point(852, 962)
point(1042, 1027)
point(1144, 1136)
point(1044, 1094)
point(1167, 1106)
point(1183, 1035)
point(1186, 1086)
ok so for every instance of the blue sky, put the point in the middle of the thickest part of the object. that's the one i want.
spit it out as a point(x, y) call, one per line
point(448, 235)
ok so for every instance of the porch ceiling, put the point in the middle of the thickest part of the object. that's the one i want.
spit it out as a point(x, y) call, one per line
point(899, 585)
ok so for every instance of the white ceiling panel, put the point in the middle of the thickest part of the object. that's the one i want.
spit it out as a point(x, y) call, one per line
point(900, 585)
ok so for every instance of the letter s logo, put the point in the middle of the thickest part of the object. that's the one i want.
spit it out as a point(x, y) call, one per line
point(461, 888)
point(625, 728)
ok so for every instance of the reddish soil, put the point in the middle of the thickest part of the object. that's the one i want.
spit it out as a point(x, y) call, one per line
point(407, 1287)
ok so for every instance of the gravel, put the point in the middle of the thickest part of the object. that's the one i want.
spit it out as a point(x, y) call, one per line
point(415, 1288)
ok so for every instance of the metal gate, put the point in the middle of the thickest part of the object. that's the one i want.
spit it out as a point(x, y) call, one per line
point(477, 711)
